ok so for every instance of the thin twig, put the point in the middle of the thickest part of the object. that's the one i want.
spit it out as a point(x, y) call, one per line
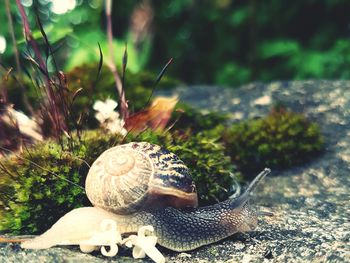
point(112, 66)
point(12, 240)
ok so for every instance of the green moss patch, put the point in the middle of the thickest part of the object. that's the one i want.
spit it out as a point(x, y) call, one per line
point(282, 139)
point(46, 181)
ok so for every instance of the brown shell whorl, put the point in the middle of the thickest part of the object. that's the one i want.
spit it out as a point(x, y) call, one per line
point(139, 175)
point(119, 164)
point(118, 180)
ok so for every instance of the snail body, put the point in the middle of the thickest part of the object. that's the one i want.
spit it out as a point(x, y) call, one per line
point(184, 230)
point(178, 223)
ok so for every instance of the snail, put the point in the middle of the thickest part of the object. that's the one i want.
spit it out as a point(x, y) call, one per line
point(138, 184)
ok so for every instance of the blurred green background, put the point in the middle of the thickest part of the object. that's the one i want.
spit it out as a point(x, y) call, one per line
point(227, 42)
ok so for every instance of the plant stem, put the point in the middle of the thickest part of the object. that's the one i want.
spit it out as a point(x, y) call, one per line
point(29, 37)
point(112, 66)
point(53, 111)
point(9, 18)
point(18, 64)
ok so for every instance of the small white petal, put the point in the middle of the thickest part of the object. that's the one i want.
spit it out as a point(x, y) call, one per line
point(113, 116)
point(106, 235)
point(128, 243)
point(98, 105)
point(142, 230)
point(106, 113)
point(112, 252)
point(100, 117)
point(88, 248)
point(111, 104)
point(145, 245)
point(154, 254)
point(138, 252)
point(123, 132)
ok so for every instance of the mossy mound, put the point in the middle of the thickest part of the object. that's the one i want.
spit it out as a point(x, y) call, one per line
point(186, 117)
point(47, 181)
point(282, 139)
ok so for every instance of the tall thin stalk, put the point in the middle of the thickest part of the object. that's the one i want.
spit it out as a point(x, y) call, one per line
point(30, 39)
point(13, 38)
point(54, 113)
point(122, 100)
point(18, 64)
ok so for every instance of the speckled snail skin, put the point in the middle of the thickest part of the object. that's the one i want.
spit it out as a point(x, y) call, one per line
point(144, 184)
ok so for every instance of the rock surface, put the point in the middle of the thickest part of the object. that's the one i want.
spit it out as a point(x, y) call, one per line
point(311, 204)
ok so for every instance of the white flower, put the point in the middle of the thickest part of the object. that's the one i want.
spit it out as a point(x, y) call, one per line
point(105, 110)
point(108, 118)
point(144, 245)
point(116, 126)
point(108, 236)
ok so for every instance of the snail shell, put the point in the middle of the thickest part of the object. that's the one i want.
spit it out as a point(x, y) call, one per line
point(139, 176)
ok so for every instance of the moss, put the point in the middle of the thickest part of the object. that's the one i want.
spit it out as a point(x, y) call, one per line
point(45, 182)
point(280, 140)
point(187, 117)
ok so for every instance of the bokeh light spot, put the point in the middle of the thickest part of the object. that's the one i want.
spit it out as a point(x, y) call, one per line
point(27, 3)
point(62, 6)
point(2, 44)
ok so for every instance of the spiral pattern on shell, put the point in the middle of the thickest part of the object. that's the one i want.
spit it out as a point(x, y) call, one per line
point(130, 177)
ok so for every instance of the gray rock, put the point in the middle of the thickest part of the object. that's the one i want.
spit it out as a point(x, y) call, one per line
point(311, 203)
